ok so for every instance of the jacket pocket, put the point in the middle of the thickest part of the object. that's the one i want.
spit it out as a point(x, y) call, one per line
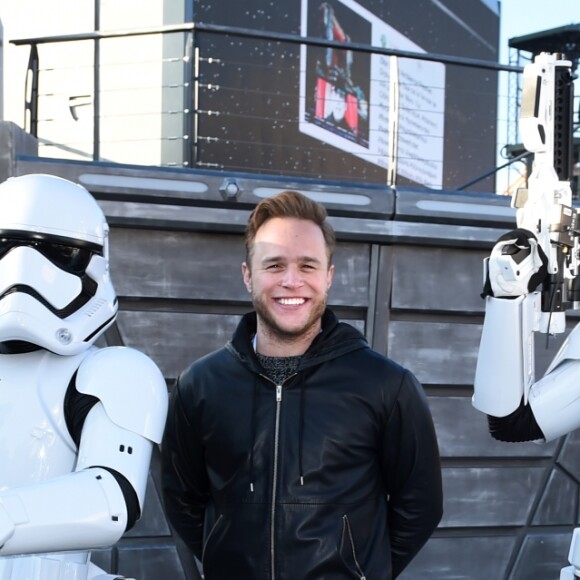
point(347, 550)
point(209, 538)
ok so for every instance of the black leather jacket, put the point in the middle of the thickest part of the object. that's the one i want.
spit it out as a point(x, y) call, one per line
point(333, 475)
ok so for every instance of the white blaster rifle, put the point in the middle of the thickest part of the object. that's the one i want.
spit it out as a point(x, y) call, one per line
point(545, 207)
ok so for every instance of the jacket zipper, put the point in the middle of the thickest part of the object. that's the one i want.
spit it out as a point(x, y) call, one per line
point(275, 480)
point(213, 529)
point(275, 471)
point(348, 531)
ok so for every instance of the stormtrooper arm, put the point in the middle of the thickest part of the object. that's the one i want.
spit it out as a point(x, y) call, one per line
point(505, 365)
point(90, 507)
point(505, 387)
point(79, 511)
point(555, 398)
point(504, 382)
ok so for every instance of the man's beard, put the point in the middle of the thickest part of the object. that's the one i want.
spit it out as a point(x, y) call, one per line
point(283, 334)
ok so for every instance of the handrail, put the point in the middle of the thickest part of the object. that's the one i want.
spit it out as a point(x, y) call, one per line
point(192, 28)
point(275, 37)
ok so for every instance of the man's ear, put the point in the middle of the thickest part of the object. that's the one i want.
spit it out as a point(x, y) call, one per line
point(329, 276)
point(247, 276)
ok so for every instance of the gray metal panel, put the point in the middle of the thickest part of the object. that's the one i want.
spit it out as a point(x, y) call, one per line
point(542, 556)
point(177, 217)
point(149, 560)
point(197, 187)
point(486, 496)
point(424, 234)
point(559, 502)
point(438, 353)
point(177, 265)
point(462, 432)
point(568, 457)
point(14, 141)
point(350, 286)
point(437, 279)
point(174, 340)
point(420, 205)
point(166, 204)
point(380, 289)
point(470, 557)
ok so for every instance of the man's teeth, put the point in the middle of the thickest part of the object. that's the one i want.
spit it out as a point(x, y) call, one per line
point(291, 301)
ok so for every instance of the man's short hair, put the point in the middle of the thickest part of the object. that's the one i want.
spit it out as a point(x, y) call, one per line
point(289, 204)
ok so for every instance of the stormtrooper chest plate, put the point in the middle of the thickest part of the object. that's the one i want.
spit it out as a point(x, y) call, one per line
point(34, 441)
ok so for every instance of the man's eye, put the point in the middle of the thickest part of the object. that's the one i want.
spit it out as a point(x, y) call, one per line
point(273, 267)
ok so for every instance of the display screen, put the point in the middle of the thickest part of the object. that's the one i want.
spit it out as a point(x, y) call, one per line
point(300, 110)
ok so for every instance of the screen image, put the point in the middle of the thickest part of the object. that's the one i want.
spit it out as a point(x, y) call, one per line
point(304, 110)
point(350, 99)
point(338, 81)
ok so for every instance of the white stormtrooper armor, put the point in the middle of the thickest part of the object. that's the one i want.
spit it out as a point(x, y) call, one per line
point(505, 386)
point(77, 423)
point(505, 378)
point(532, 278)
point(530, 269)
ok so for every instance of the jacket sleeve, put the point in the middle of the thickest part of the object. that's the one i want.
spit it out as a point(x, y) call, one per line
point(185, 482)
point(411, 472)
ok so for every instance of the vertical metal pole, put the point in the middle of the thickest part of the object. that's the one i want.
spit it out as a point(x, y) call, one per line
point(188, 129)
point(394, 112)
point(31, 92)
point(97, 87)
point(195, 99)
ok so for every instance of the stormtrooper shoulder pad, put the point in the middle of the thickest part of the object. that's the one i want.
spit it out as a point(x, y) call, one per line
point(130, 386)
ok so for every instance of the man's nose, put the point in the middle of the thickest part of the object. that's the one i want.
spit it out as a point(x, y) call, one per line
point(292, 278)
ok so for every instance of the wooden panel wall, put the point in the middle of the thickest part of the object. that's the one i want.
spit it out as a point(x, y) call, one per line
point(412, 285)
point(510, 506)
point(181, 296)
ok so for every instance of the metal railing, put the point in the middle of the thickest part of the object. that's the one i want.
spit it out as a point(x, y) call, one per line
point(202, 122)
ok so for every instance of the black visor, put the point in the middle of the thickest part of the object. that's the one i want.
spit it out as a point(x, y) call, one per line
point(69, 255)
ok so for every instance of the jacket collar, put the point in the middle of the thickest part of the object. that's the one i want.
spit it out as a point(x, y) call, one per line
point(337, 338)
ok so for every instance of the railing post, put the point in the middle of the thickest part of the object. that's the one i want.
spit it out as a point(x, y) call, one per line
point(31, 92)
point(195, 103)
point(189, 101)
point(393, 120)
point(97, 88)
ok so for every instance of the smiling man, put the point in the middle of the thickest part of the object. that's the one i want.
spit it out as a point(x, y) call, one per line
point(296, 451)
point(288, 272)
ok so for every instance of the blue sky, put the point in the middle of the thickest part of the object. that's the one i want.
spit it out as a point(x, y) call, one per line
point(521, 17)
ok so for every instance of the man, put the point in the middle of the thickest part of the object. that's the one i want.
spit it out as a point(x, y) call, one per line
point(297, 452)
point(77, 423)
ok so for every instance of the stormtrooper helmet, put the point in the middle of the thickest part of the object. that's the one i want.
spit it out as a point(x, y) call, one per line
point(55, 288)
